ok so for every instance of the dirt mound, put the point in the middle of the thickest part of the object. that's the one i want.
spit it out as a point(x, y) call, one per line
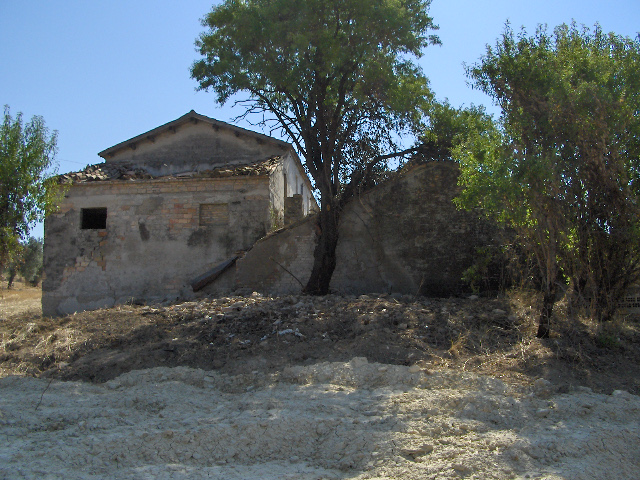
point(354, 420)
point(241, 334)
point(367, 387)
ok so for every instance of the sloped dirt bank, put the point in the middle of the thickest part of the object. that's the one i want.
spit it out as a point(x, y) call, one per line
point(236, 335)
point(331, 420)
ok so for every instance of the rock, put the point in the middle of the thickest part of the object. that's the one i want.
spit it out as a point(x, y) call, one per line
point(543, 412)
point(620, 393)
point(422, 450)
point(358, 362)
point(461, 468)
point(415, 369)
point(542, 388)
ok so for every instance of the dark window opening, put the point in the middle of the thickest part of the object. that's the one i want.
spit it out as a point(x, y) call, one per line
point(94, 218)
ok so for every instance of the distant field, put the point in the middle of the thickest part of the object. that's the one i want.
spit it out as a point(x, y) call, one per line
point(20, 300)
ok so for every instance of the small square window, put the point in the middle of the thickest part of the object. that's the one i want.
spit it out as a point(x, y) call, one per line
point(94, 218)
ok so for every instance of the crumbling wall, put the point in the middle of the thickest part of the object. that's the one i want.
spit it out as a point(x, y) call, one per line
point(279, 263)
point(290, 191)
point(405, 236)
point(159, 235)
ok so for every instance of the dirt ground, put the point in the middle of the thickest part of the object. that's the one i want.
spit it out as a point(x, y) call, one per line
point(21, 301)
point(370, 387)
point(235, 335)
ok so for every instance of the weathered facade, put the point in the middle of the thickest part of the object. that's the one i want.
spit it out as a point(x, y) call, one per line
point(163, 208)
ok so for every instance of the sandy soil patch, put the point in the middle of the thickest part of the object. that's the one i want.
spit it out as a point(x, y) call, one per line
point(354, 420)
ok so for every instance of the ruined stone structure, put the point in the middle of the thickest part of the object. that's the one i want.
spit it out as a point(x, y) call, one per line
point(165, 207)
point(404, 236)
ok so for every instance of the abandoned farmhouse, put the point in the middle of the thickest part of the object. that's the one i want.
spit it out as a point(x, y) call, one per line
point(165, 207)
point(201, 199)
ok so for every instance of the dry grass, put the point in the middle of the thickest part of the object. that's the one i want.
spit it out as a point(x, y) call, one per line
point(20, 300)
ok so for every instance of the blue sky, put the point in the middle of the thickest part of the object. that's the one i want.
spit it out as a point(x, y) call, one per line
point(101, 71)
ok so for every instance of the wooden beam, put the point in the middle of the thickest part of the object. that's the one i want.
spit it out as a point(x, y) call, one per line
point(208, 277)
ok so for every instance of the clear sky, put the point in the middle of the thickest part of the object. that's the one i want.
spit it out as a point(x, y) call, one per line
point(103, 71)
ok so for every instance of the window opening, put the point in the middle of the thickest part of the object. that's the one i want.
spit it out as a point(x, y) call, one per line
point(94, 218)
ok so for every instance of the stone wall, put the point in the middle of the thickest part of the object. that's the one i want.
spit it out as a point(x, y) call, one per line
point(405, 236)
point(293, 209)
point(159, 235)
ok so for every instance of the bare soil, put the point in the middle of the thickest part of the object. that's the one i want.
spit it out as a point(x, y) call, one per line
point(235, 335)
point(371, 387)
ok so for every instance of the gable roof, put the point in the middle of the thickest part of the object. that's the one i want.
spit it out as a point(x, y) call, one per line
point(191, 117)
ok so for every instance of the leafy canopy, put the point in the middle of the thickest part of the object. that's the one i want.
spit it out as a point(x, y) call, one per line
point(28, 190)
point(564, 169)
point(449, 127)
point(335, 75)
point(27, 260)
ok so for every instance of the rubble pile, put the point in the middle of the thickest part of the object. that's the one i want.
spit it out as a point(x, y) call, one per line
point(239, 333)
point(432, 320)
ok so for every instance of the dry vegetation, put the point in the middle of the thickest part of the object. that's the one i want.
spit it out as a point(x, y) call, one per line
point(244, 334)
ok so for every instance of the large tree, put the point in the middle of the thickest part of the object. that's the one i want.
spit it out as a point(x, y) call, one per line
point(337, 78)
point(28, 190)
point(564, 170)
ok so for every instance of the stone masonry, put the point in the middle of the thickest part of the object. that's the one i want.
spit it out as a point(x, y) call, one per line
point(404, 236)
point(167, 206)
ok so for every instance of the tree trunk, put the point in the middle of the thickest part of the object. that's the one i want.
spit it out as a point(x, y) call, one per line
point(544, 322)
point(324, 255)
point(12, 275)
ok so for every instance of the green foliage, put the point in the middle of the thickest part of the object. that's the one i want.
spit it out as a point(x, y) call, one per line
point(448, 128)
point(27, 260)
point(477, 275)
point(28, 190)
point(608, 340)
point(335, 76)
point(563, 169)
point(32, 258)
